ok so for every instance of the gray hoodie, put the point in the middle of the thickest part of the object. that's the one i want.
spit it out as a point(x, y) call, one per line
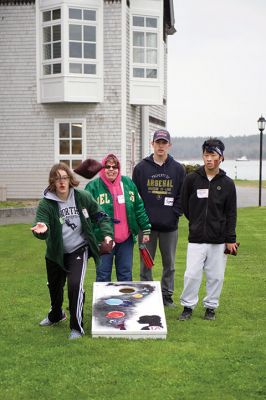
point(73, 238)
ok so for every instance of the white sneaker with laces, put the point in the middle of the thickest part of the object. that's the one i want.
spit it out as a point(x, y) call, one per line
point(47, 322)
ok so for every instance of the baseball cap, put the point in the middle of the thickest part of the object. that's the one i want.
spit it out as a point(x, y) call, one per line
point(161, 134)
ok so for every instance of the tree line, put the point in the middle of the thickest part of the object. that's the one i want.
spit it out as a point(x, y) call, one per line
point(189, 148)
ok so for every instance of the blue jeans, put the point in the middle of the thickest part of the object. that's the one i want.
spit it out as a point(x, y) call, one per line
point(122, 253)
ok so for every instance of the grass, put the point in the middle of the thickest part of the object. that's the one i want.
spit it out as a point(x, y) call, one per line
point(208, 360)
point(248, 183)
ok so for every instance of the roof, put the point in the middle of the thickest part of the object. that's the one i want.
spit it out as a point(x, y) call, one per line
point(169, 17)
point(168, 12)
point(16, 2)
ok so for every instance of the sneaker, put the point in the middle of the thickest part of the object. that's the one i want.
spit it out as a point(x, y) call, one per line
point(74, 334)
point(168, 301)
point(186, 314)
point(47, 322)
point(209, 314)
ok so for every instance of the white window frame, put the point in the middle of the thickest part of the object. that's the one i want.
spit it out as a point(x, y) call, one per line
point(65, 86)
point(144, 29)
point(147, 91)
point(70, 157)
point(82, 60)
point(52, 60)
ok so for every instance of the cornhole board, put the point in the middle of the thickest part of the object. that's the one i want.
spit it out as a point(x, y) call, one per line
point(132, 310)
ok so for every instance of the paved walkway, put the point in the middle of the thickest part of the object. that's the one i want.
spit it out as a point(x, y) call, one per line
point(246, 197)
point(249, 197)
point(17, 215)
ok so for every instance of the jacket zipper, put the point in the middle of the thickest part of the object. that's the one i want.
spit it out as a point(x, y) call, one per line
point(206, 210)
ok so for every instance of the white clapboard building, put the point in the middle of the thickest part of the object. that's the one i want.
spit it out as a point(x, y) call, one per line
point(79, 79)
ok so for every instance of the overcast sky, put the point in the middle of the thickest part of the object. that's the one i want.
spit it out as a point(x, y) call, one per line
point(217, 67)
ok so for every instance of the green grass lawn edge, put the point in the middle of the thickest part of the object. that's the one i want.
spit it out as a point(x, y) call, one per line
point(212, 360)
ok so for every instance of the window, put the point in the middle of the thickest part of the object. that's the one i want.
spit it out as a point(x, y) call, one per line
point(82, 41)
point(51, 42)
point(70, 142)
point(69, 50)
point(145, 47)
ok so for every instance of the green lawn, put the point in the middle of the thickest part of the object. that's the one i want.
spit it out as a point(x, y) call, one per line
point(208, 360)
point(248, 183)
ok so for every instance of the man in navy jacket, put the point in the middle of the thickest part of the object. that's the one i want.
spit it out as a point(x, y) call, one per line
point(159, 179)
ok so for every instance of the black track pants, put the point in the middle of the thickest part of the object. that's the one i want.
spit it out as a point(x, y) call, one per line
point(75, 270)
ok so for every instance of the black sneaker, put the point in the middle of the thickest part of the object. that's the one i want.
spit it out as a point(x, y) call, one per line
point(186, 314)
point(168, 301)
point(209, 314)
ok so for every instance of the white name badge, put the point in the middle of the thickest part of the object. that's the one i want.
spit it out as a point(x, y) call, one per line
point(202, 193)
point(168, 201)
point(85, 213)
point(120, 198)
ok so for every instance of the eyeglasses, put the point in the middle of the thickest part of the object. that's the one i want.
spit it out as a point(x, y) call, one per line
point(110, 166)
point(62, 178)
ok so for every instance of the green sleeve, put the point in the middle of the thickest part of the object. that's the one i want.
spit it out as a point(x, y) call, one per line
point(141, 215)
point(42, 215)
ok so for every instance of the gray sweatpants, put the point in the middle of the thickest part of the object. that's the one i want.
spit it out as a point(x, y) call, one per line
point(167, 245)
point(208, 258)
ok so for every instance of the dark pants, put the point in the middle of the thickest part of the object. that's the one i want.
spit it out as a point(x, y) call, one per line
point(75, 269)
point(167, 244)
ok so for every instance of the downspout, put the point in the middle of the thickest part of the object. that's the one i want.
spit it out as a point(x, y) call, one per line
point(144, 131)
point(37, 21)
point(124, 35)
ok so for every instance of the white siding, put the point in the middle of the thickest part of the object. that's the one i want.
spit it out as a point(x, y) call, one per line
point(27, 147)
point(27, 128)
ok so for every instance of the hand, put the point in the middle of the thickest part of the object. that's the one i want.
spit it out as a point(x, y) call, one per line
point(146, 238)
point(106, 246)
point(231, 248)
point(40, 227)
point(107, 239)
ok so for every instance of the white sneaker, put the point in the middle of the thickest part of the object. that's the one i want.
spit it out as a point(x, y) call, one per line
point(47, 322)
point(74, 334)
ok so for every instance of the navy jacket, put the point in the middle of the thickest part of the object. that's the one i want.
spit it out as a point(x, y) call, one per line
point(160, 189)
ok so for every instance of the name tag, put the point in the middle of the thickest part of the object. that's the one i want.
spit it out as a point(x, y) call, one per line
point(85, 213)
point(120, 198)
point(168, 201)
point(203, 193)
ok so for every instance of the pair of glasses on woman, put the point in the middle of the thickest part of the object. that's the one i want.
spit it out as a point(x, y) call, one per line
point(110, 166)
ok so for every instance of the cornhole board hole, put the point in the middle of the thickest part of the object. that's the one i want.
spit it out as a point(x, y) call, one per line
point(132, 310)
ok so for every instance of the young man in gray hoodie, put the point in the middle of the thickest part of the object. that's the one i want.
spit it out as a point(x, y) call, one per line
point(64, 219)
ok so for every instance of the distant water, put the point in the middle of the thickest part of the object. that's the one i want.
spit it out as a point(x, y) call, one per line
point(239, 169)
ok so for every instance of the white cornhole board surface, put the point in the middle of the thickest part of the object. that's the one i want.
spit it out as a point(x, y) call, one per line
point(132, 310)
